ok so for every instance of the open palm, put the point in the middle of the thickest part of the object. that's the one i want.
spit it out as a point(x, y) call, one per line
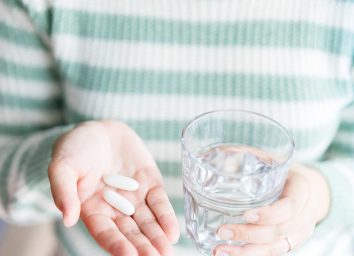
point(81, 158)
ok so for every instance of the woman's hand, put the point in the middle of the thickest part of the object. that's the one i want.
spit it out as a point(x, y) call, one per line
point(81, 158)
point(274, 230)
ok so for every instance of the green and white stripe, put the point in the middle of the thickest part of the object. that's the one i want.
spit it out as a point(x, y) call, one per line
point(217, 11)
point(238, 59)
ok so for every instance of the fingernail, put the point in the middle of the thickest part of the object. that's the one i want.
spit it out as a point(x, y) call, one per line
point(251, 217)
point(66, 222)
point(226, 233)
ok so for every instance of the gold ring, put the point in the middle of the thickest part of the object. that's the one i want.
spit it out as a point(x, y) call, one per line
point(288, 240)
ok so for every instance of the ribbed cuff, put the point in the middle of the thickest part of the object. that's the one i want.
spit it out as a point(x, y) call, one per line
point(29, 199)
point(338, 174)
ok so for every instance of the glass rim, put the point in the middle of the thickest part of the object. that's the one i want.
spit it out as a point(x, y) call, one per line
point(288, 154)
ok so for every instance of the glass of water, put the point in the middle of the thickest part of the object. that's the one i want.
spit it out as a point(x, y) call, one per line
point(233, 161)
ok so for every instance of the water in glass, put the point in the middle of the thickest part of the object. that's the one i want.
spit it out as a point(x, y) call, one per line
point(221, 184)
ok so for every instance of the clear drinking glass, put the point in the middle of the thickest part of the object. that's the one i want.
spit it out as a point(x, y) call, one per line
point(233, 160)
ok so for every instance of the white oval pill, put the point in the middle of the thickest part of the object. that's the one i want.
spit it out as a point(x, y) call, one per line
point(119, 202)
point(121, 182)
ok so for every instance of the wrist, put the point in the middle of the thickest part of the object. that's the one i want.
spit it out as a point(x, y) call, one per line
point(320, 192)
point(324, 191)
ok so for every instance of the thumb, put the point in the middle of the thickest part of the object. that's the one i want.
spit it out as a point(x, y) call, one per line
point(63, 183)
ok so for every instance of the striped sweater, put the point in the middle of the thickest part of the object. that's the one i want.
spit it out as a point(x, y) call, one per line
point(155, 64)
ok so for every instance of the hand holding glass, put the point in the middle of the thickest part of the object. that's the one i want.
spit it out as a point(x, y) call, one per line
point(233, 161)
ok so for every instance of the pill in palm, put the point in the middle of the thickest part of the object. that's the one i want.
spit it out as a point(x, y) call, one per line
point(119, 202)
point(121, 182)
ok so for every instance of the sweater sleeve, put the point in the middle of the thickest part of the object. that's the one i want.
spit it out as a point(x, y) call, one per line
point(30, 118)
point(338, 168)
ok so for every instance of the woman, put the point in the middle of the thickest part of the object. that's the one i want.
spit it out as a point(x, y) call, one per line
point(151, 66)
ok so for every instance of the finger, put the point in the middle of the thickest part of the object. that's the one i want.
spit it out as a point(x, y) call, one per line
point(277, 248)
point(259, 234)
point(106, 233)
point(294, 198)
point(159, 204)
point(63, 184)
point(251, 233)
point(222, 250)
point(152, 229)
point(132, 232)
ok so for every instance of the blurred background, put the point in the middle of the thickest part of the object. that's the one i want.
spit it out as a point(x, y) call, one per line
point(2, 229)
point(27, 241)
